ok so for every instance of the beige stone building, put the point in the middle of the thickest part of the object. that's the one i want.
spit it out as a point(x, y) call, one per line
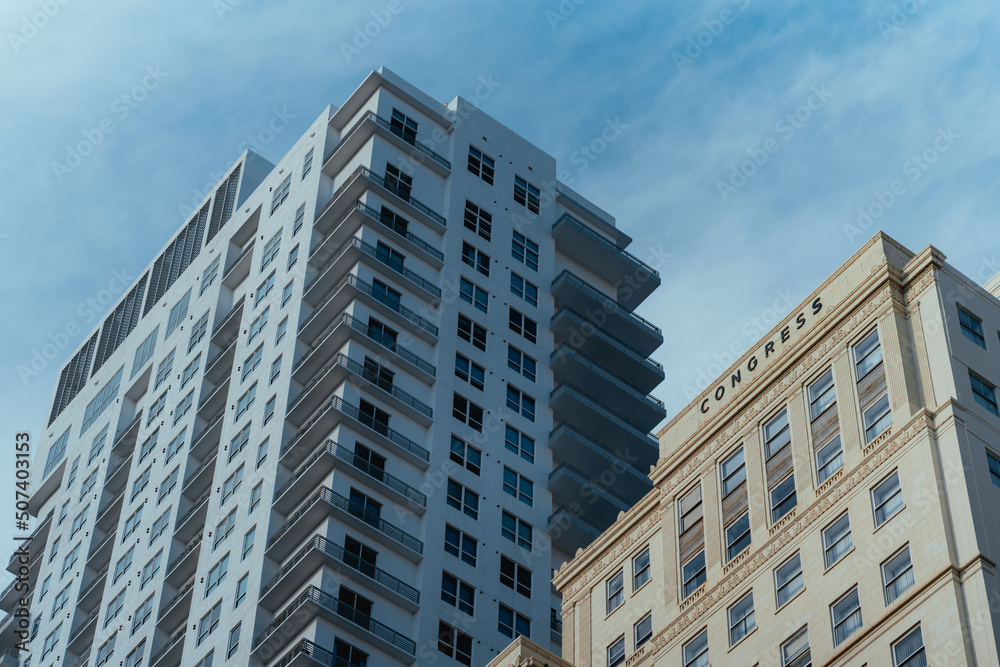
point(833, 498)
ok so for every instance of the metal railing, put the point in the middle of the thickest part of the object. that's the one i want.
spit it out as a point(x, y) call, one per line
point(108, 505)
point(177, 636)
point(366, 288)
point(232, 311)
point(327, 601)
point(376, 215)
point(373, 252)
point(93, 584)
point(176, 598)
point(314, 652)
point(607, 301)
point(83, 626)
point(128, 427)
point(588, 480)
point(323, 545)
point(195, 543)
point(609, 413)
point(607, 244)
point(608, 374)
point(574, 516)
point(610, 339)
point(107, 538)
point(597, 443)
point(246, 251)
point(340, 502)
point(194, 508)
point(223, 385)
point(204, 466)
point(371, 115)
point(220, 354)
point(211, 424)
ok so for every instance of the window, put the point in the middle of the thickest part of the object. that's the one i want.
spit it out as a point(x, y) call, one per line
point(780, 471)
point(123, 564)
point(466, 455)
point(471, 332)
point(246, 400)
point(525, 251)
point(231, 484)
point(520, 444)
point(481, 164)
point(94, 410)
point(474, 295)
point(78, 522)
point(457, 593)
point(640, 570)
point(98, 445)
point(190, 370)
point(694, 573)
point(262, 447)
point(513, 624)
point(51, 640)
point(224, 529)
point(281, 193)
point(248, 540)
point(994, 464)
point(151, 569)
point(470, 371)
point(44, 589)
point(210, 274)
point(57, 452)
point(643, 630)
point(183, 407)
point(616, 652)
point(106, 651)
point(263, 289)
point(846, 614)
point(478, 220)
point(300, 216)
point(515, 530)
point(788, 579)
point(520, 362)
point(88, 484)
point(142, 614)
point(134, 658)
point(156, 408)
point(526, 194)
point(972, 327)
point(738, 536)
point(837, 540)
point(175, 445)
point(282, 328)
point(140, 483)
point(198, 331)
point(307, 163)
point(403, 126)
point(463, 499)
point(251, 362)
point(909, 651)
point(897, 575)
point(692, 540)
point(522, 289)
point(177, 313)
point(397, 182)
point(460, 545)
point(207, 660)
point(615, 590)
point(696, 651)
point(70, 561)
point(476, 258)
point(454, 643)
point(148, 446)
point(234, 641)
point(159, 525)
point(241, 590)
point(741, 619)
point(522, 325)
point(275, 369)
point(825, 427)
point(286, 294)
point(467, 412)
point(521, 403)
point(385, 294)
point(255, 496)
point(872, 390)
point(984, 393)
point(795, 652)
point(216, 575)
point(208, 623)
point(60, 601)
point(145, 351)
point(887, 499)
point(518, 486)
point(131, 523)
point(515, 576)
point(258, 325)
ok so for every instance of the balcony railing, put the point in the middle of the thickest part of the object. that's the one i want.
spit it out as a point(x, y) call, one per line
point(613, 341)
point(181, 593)
point(371, 115)
point(211, 424)
point(365, 288)
point(232, 311)
point(340, 502)
point(314, 652)
point(608, 302)
point(598, 368)
point(220, 354)
point(195, 543)
point(118, 468)
point(178, 636)
point(204, 466)
point(83, 626)
point(338, 553)
point(602, 405)
point(107, 538)
point(246, 251)
point(194, 508)
point(330, 603)
point(607, 244)
point(373, 252)
point(404, 196)
point(376, 215)
point(595, 483)
point(128, 427)
point(98, 580)
point(108, 505)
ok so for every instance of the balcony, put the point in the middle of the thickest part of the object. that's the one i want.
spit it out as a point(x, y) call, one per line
point(100, 556)
point(338, 411)
point(573, 329)
point(192, 522)
point(215, 400)
point(333, 374)
point(571, 291)
point(199, 481)
point(347, 326)
point(324, 503)
point(83, 635)
point(585, 246)
point(220, 366)
point(322, 462)
point(110, 512)
point(308, 654)
point(169, 654)
point(574, 488)
point(314, 602)
point(335, 268)
point(90, 596)
point(356, 184)
point(183, 566)
point(358, 134)
point(409, 241)
point(619, 395)
point(319, 552)
point(629, 478)
point(125, 439)
point(208, 438)
point(569, 531)
point(228, 327)
point(237, 270)
point(175, 611)
point(589, 415)
point(117, 477)
point(351, 288)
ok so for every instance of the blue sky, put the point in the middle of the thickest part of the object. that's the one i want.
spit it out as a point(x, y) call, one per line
point(748, 137)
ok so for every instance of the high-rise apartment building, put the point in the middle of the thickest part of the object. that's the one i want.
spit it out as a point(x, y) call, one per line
point(830, 500)
point(353, 414)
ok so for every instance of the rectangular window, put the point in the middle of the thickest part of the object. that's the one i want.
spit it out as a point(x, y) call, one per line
point(78, 522)
point(463, 499)
point(275, 370)
point(513, 624)
point(198, 331)
point(282, 328)
point(825, 427)
point(691, 532)
point(145, 352)
point(453, 643)
point(131, 523)
point(262, 447)
point(248, 542)
point(210, 274)
point(106, 651)
point(476, 258)
point(780, 471)
point(837, 540)
point(258, 325)
point(846, 616)
point(232, 483)
point(466, 455)
point(156, 407)
point(94, 410)
point(460, 545)
point(887, 499)
point(525, 251)
point(521, 363)
point(70, 561)
point(872, 389)
point(300, 217)
point(245, 401)
point(51, 641)
point(98, 445)
point(518, 486)
point(241, 590)
point(159, 525)
point(519, 444)
point(795, 652)
point(523, 289)
point(269, 411)
point(281, 193)
point(643, 630)
point(788, 580)
point(972, 327)
point(474, 295)
point(515, 576)
point(481, 164)
point(472, 332)
point(208, 623)
point(182, 408)
point(521, 403)
point(151, 569)
point(60, 601)
point(163, 370)
point(134, 659)
point(457, 593)
point(696, 651)
point(141, 614)
point(909, 651)
point(250, 363)
point(114, 607)
point(515, 530)
point(178, 313)
point(255, 496)
point(286, 294)
point(984, 393)
point(123, 564)
point(741, 619)
point(640, 570)
point(470, 371)
point(216, 575)
point(224, 529)
point(307, 163)
point(88, 484)
point(140, 483)
point(397, 182)
point(478, 220)
point(234, 641)
point(264, 289)
point(738, 536)
point(523, 325)
point(897, 575)
point(56, 454)
point(403, 126)
point(190, 370)
point(616, 652)
point(526, 194)
point(615, 590)
point(994, 465)
point(467, 412)
point(147, 447)
point(175, 445)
